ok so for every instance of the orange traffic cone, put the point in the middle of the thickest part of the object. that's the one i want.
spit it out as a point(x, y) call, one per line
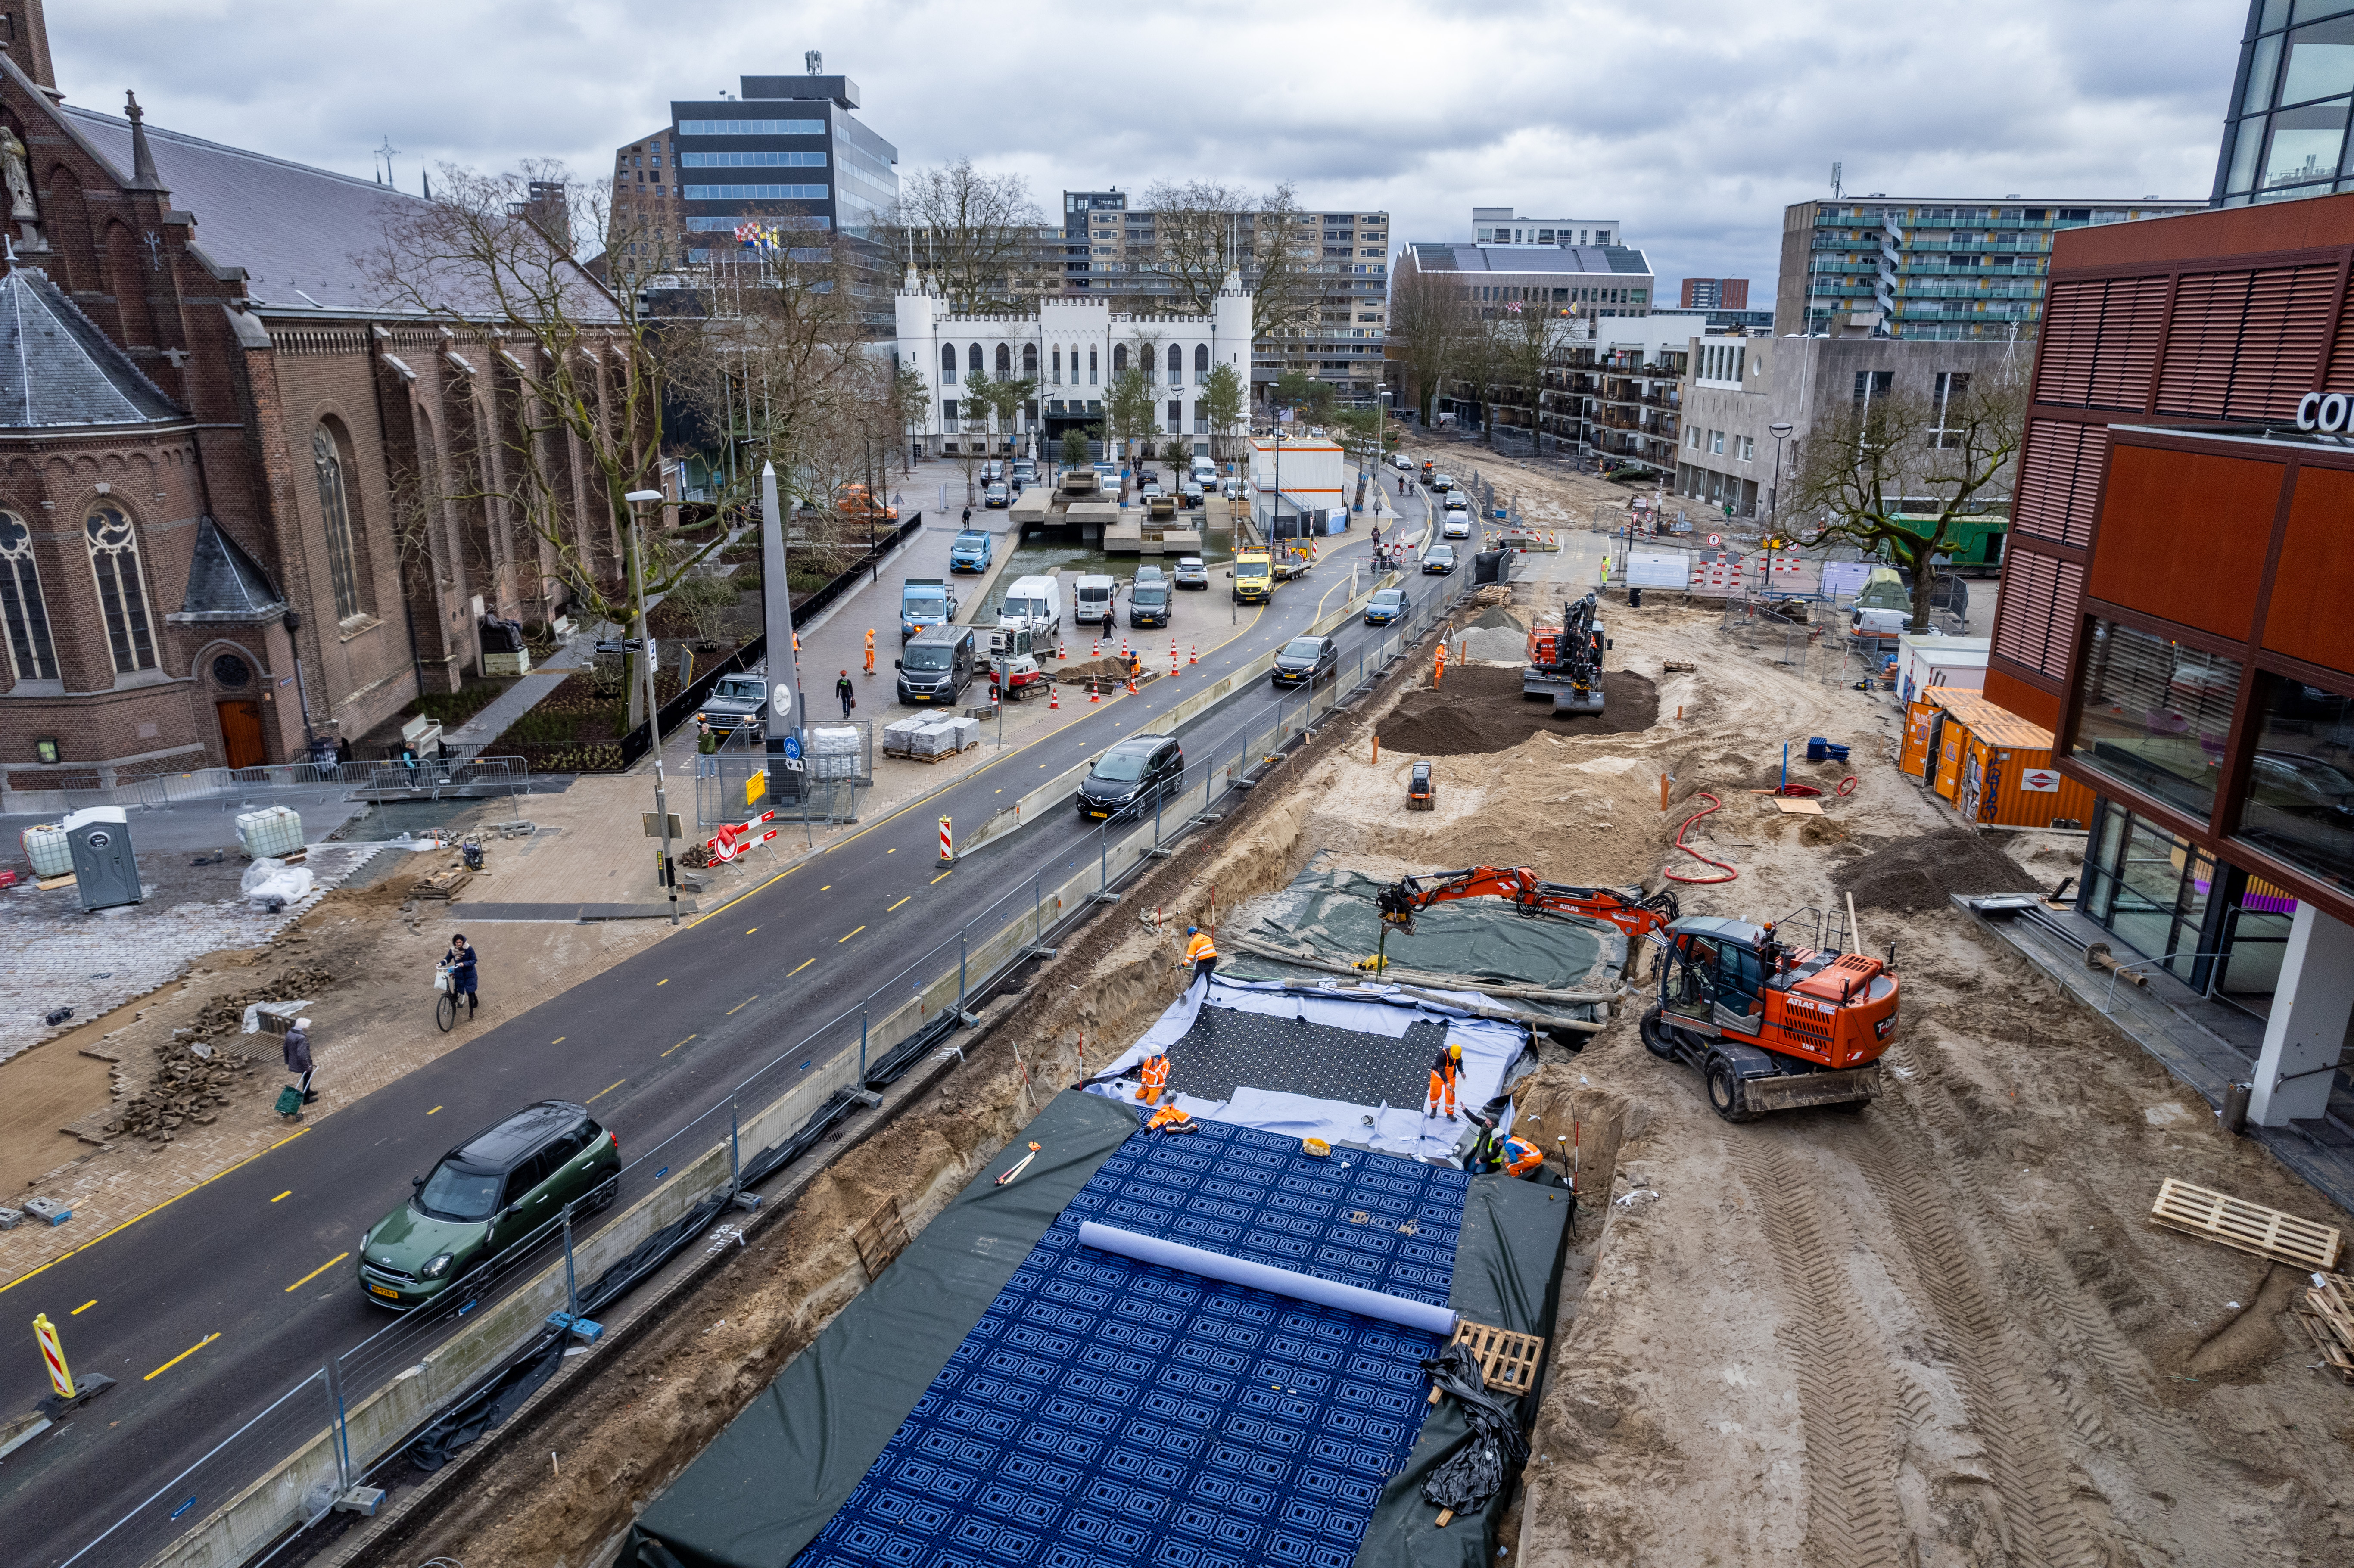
point(1058, 649)
point(1174, 665)
point(1123, 650)
point(1194, 654)
point(1094, 695)
point(1054, 698)
point(1094, 649)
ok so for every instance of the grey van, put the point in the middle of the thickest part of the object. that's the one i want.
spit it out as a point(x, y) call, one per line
point(937, 666)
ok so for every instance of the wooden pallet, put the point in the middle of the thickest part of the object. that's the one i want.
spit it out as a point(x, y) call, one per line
point(1508, 1361)
point(936, 756)
point(2325, 1342)
point(2250, 1227)
point(883, 1237)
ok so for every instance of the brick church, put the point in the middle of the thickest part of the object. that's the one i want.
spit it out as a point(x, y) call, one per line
point(227, 530)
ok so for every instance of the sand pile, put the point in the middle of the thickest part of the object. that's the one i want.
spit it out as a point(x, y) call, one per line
point(1916, 874)
point(1479, 708)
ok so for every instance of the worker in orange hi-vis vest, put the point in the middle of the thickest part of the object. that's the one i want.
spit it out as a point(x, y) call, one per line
point(1200, 952)
point(870, 651)
point(1438, 664)
point(1169, 1119)
point(1443, 1073)
point(1155, 1075)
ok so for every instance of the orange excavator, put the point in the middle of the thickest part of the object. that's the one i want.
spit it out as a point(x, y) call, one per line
point(1769, 1026)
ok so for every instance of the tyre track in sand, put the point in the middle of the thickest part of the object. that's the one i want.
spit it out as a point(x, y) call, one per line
point(2025, 1458)
point(1845, 1396)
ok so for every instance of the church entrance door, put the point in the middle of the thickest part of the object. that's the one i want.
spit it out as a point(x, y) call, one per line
point(240, 724)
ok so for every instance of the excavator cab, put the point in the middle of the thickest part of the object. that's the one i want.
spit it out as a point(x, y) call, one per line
point(1420, 795)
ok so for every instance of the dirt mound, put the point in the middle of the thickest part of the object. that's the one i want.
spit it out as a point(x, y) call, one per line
point(1917, 875)
point(1479, 709)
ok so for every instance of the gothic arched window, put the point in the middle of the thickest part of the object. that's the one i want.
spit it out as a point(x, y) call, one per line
point(34, 657)
point(948, 364)
point(972, 360)
point(1176, 366)
point(122, 592)
point(342, 562)
point(1029, 362)
point(1200, 365)
point(1118, 357)
point(1005, 361)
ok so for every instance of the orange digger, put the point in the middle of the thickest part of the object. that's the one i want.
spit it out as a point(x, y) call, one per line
point(1767, 1025)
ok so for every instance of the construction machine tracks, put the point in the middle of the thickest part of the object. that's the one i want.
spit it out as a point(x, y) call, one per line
point(1845, 1394)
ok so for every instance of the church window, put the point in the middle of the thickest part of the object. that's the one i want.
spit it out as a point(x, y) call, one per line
point(114, 556)
point(343, 565)
point(30, 651)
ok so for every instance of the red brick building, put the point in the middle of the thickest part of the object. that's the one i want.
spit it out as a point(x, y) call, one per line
point(2177, 606)
point(227, 459)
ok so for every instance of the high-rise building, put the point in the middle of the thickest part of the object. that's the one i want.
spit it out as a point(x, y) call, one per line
point(1598, 279)
point(1716, 293)
point(1930, 266)
point(2285, 125)
point(788, 154)
point(1502, 226)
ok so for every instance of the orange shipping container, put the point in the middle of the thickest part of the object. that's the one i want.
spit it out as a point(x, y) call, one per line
point(1996, 766)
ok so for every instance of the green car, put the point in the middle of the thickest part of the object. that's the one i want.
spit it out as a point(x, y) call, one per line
point(506, 1183)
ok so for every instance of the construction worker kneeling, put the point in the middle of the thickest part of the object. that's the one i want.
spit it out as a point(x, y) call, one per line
point(1443, 1074)
point(1155, 1073)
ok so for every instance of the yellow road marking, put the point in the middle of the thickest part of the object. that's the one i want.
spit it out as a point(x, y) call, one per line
point(895, 905)
point(804, 964)
point(435, 1111)
point(827, 888)
point(890, 851)
point(661, 982)
point(846, 939)
point(747, 894)
point(742, 1004)
point(303, 1281)
point(83, 1307)
point(560, 1040)
point(607, 1089)
point(144, 1212)
point(749, 930)
point(288, 1194)
point(681, 1043)
point(176, 1361)
point(942, 877)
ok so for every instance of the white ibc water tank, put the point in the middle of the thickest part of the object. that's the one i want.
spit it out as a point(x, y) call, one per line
point(47, 848)
point(275, 831)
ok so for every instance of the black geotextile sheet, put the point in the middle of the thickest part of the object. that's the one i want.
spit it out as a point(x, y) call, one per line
point(768, 1483)
point(1227, 1049)
point(1508, 1276)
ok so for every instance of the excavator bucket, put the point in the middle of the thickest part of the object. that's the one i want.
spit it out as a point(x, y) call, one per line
point(1586, 700)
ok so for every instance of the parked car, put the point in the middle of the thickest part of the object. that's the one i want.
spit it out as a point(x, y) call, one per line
point(508, 1181)
point(1150, 488)
point(1304, 661)
point(1438, 560)
point(1024, 471)
point(1148, 598)
point(1385, 605)
point(1193, 572)
point(992, 470)
point(1190, 493)
point(1130, 776)
point(937, 666)
point(996, 494)
point(971, 551)
point(737, 702)
point(1232, 489)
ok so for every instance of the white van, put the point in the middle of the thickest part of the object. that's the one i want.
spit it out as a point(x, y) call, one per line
point(1091, 600)
point(1034, 602)
point(1205, 472)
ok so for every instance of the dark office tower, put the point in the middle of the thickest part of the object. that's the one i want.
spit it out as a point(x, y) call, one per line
point(2285, 127)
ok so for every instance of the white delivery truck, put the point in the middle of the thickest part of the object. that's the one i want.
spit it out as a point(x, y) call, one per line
point(1091, 600)
point(1035, 603)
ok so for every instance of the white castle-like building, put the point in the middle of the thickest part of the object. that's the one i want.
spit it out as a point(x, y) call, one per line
point(1072, 348)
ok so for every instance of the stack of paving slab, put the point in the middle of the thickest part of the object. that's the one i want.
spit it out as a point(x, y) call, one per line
point(930, 736)
point(833, 752)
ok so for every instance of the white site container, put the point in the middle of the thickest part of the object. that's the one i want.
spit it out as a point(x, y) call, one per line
point(274, 831)
point(47, 848)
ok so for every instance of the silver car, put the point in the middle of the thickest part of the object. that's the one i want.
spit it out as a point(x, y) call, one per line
point(1193, 572)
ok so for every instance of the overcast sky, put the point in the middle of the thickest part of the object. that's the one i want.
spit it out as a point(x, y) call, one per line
point(1692, 122)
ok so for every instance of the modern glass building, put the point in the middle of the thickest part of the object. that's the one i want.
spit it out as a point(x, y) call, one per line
point(2284, 128)
point(789, 155)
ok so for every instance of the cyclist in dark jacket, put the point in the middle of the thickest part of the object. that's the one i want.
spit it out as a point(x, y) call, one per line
point(460, 959)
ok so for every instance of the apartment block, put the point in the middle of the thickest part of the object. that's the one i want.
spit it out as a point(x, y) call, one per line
point(1715, 293)
point(1502, 226)
point(1931, 267)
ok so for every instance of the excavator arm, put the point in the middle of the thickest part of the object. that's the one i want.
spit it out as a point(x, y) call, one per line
point(1628, 908)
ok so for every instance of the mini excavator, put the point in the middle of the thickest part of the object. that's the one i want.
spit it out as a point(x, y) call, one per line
point(1565, 660)
point(1768, 1026)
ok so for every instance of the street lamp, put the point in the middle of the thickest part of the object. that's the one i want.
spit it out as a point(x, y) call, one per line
point(639, 501)
point(1780, 430)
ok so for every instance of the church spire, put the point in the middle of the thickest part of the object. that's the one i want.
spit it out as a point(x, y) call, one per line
point(25, 34)
point(142, 160)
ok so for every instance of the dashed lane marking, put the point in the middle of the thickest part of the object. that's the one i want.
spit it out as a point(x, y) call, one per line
point(802, 965)
point(895, 905)
point(607, 1089)
point(176, 1361)
point(847, 938)
point(682, 1043)
point(303, 1281)
point(742, 1004)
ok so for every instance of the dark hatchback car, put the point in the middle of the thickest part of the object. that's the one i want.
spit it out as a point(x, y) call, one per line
point(1438, 560)
point(504, 1183)
point(1306, 660)
point(1385, 605)
point(1131, 776)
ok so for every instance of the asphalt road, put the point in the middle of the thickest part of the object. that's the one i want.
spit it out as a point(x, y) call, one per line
point(209, 1307)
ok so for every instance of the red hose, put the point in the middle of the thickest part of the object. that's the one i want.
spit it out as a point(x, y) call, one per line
point(1730, 875)
point(1847, 786)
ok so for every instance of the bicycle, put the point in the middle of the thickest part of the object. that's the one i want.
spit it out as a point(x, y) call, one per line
point(445, 1007)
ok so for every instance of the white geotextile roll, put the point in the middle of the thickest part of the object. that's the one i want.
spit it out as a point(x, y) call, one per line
point(1439, 1321)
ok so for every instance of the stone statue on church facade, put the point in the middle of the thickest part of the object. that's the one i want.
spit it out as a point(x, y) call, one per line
point(12, 170)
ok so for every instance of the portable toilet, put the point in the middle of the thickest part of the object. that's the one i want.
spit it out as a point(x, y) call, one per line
point(105, 873)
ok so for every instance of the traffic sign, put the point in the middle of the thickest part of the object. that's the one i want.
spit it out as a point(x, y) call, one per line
point(1716, 538)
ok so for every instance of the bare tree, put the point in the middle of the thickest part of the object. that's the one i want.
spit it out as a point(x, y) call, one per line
point(1430, 315)
point(493, 258)
point(1222, 405)
point(1204, 231)
point(1894, 473)
point(1527, 335)
point(973, 234)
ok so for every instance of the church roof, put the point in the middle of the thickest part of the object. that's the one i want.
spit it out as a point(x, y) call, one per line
point(304, 236)
point(224, 582)
point(58, 368)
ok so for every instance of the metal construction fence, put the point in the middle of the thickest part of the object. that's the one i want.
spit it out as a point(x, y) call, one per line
point(158, 791)
point(281, 1470)
point(722, 781)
